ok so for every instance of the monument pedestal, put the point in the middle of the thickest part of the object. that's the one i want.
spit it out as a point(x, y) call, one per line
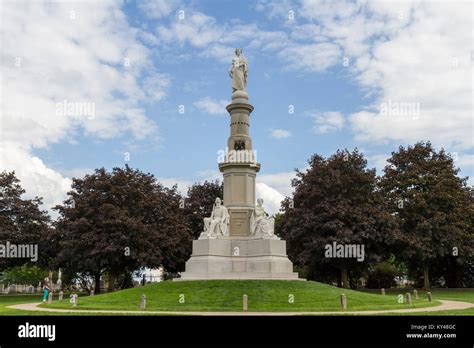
point(239, 258)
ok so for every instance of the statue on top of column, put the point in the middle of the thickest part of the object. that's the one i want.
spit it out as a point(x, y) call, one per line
point(238, 71)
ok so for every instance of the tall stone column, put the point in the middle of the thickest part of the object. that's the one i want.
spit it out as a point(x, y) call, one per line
point(239, 167)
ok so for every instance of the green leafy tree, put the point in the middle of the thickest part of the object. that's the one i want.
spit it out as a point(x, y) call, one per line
point(433, 207)
point(25, 274)
point(336, 200)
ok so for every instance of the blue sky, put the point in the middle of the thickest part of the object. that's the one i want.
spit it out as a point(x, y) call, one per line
point(335, 63)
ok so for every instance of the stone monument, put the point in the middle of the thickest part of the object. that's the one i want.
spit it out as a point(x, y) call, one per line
point(238, 241)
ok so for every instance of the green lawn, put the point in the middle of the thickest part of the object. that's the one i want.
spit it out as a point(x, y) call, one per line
point(226, 295)
point(7, 300)
point(465, 295)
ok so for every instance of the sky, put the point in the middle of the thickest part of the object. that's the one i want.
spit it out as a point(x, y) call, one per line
point(90, 84)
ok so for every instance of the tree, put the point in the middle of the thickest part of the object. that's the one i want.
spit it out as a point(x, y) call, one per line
point(22, 221)
point(432, 205)
point(24, 274)
point(382, 275)
point(199, 203)
point(336, 200)
point(120, 221)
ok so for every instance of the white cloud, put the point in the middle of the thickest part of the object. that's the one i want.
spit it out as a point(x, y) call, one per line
point(280, 133)
point(182, 184)
point(279, 181)
point(271, 197)
point(197, 29)
point(329, 121)
point(273, 188)
point(276, 9)
point(218, 40)
point(401, 51)
point(55, 53)
point(312, 57)
point(155, 85)
point(157, 9)
point(465, 160)
point(212, 106)
point(219, 52)
point(405, 51)
point(36, 178)
point(306, 32)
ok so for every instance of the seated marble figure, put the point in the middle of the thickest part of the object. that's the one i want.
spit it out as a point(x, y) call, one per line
point(217, 225)
point(261, 224)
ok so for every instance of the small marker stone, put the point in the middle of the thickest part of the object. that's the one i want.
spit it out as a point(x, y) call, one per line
point(245, 303)
point(343, 301)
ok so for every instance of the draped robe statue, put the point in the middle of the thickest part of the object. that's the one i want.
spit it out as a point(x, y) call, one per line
point(217, 225)
point(238, 71)
point(261, 225)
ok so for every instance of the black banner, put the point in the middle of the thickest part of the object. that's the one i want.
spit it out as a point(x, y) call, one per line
point(135, 331)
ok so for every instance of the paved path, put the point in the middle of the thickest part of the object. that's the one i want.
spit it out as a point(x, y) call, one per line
point(445, 306)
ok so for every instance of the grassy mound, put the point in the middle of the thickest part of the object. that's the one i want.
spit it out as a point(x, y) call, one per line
point(226, 295)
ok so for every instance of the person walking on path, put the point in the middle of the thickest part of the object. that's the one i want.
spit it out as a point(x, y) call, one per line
point(46, 289)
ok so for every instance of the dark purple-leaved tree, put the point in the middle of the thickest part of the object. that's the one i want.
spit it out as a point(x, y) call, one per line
point(432, 205)
point(22, 221)
point(336, 200)
point(199, 203)
point(120, 221)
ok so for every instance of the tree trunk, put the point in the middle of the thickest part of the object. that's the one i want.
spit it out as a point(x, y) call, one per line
point(426, 277)
point(453, 273)
point(50, 277)
point(97, 283)
point(112, 278)
point(339, 280)
point(344, 278)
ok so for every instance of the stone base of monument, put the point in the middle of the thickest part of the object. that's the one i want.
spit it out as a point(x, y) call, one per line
point(239, 258)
